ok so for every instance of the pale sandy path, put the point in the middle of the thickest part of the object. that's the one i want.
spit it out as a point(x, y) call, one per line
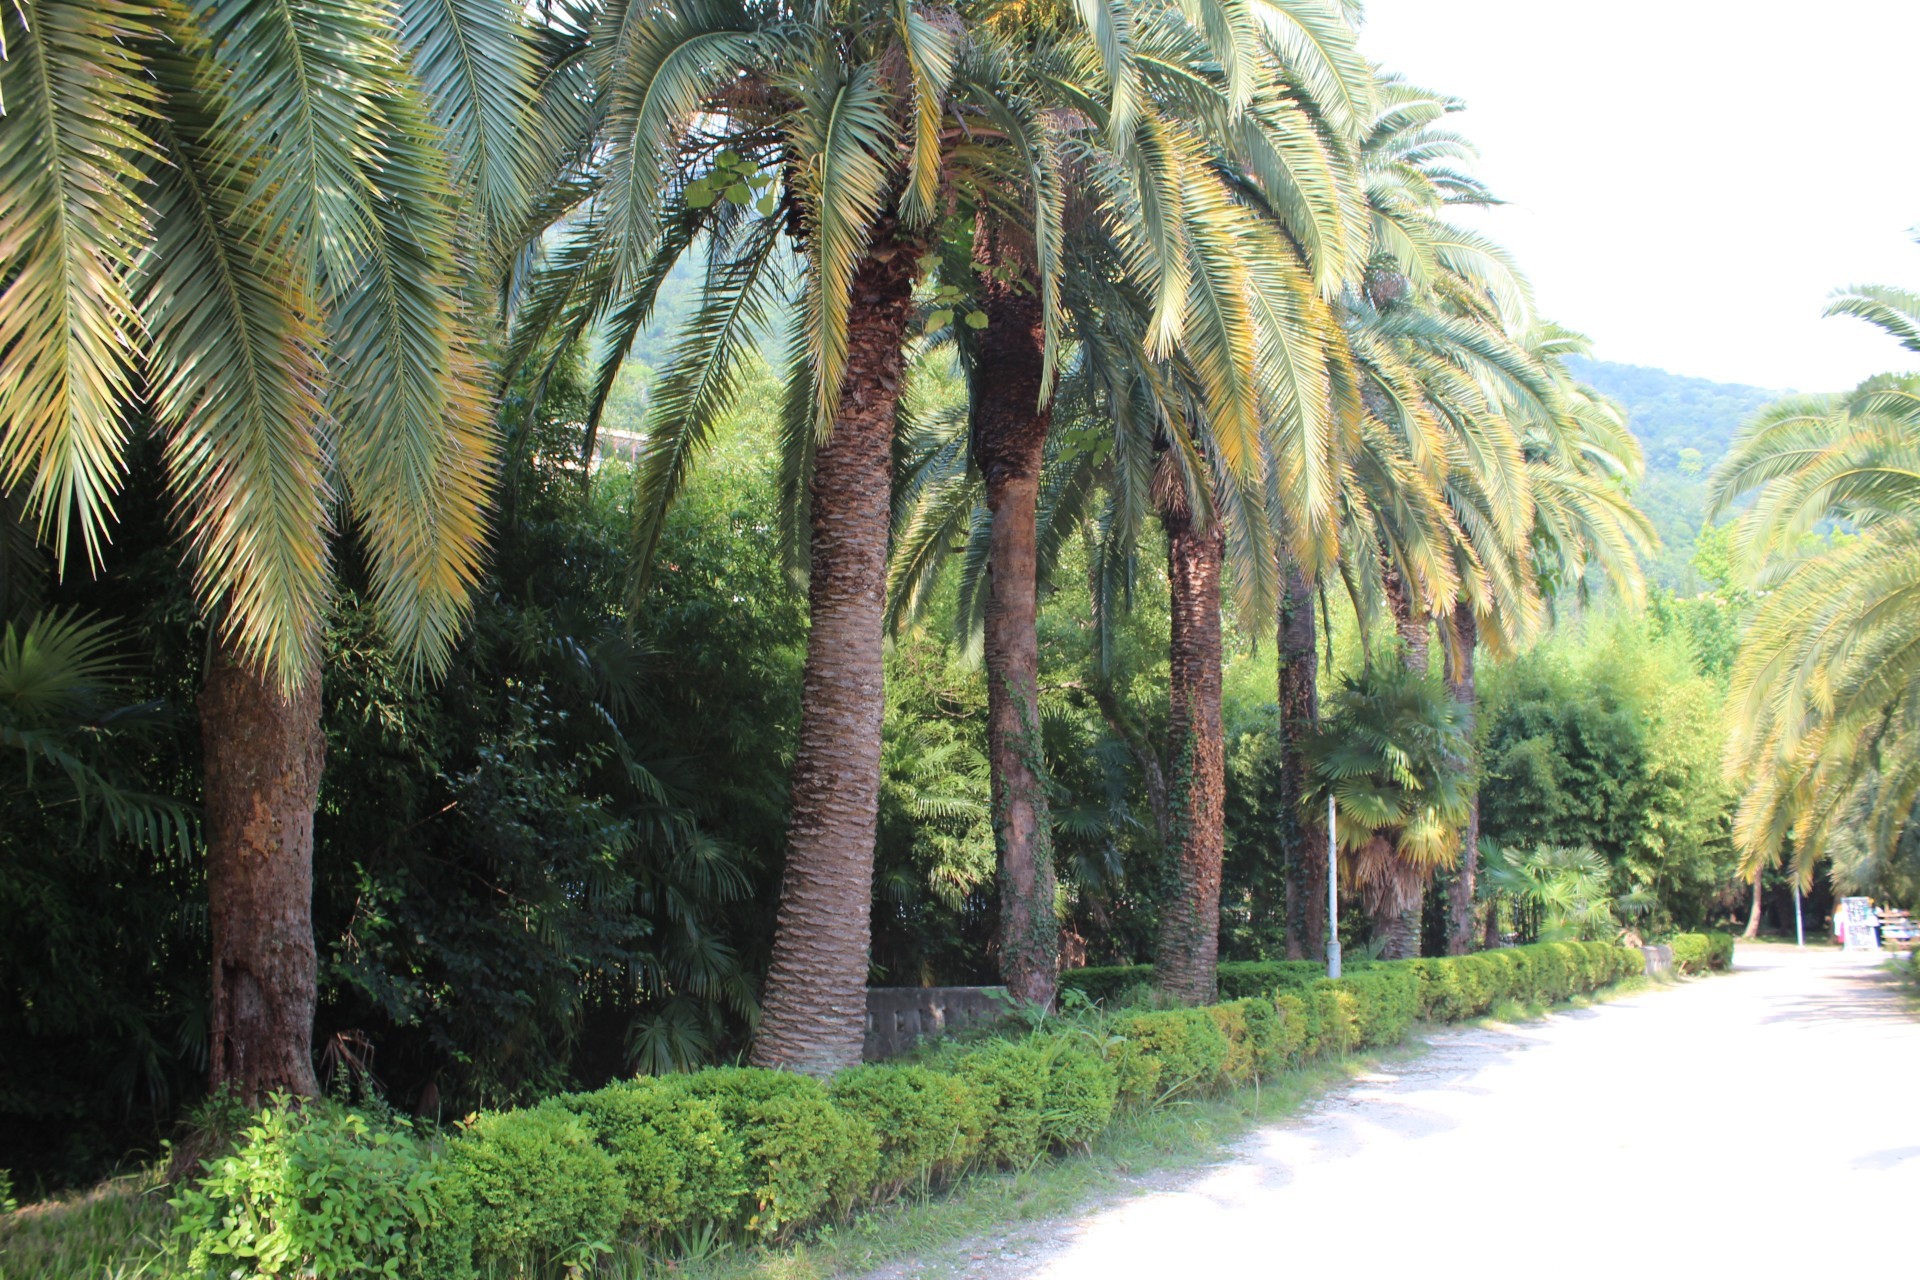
point(1735, 1123)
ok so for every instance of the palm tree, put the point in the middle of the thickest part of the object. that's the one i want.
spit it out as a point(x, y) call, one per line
point(1825, 699)
point(236, 224)
point(1182, 192)
point(1388, 752)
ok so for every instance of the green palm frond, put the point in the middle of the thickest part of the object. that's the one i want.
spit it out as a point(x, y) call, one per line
point(78, 109)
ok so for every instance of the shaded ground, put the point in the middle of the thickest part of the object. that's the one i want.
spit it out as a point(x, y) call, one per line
point(1733, 1122)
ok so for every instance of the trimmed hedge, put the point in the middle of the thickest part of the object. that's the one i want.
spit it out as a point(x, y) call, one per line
point(734, 1152)
point(1702, 952)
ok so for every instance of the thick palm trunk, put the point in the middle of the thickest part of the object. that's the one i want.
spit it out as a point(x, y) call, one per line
point(814, 1011)
point(1189, 949)
point(263, 754)
point(1460, 682)
point(1304, 840)
point(1753, 916)
point(1402, 935)
point(1009, 440)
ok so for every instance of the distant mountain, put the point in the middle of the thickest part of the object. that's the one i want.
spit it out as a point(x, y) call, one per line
point(1684, 426)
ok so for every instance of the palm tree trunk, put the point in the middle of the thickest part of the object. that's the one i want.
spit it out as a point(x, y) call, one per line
point(1304, 839)
point(1753, 916)
point(814, 1011)
point(1460, 683)
point(1189, 949)
point(1403, 935)
point(263, 753)
point(1009, 440)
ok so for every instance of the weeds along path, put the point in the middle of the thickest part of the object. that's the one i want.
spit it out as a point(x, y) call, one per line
point(1765, 1118)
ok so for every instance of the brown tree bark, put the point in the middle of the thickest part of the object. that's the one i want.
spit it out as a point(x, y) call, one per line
point(1189, 951)
point(1753, 916)
point(1402, 935)
point(1009, 441)
point(263, 752)
point(1412, 626)
point(1304, 840)
point(813, 1014)
point(1460, 683)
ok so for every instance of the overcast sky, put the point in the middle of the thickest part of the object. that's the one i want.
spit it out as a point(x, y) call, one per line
point(1689, 179)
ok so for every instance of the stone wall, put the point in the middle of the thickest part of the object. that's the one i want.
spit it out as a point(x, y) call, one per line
point(1659, 958)
point(897, 1017)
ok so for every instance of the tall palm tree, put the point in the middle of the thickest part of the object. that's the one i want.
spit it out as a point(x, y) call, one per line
point(235, 226)
point(1160, 234)
point(1825, 699)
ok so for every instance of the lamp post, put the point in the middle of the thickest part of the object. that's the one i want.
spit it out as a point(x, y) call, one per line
point(1799, 929)
point(1333, 895)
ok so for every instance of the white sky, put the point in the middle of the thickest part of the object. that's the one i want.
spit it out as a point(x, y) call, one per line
point(1687, 180)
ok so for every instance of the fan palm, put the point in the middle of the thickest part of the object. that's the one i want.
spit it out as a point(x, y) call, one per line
point(1825, 696)
point(1388, 752)
point(237, 222)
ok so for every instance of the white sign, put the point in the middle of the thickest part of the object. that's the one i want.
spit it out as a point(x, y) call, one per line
point(1860, 919)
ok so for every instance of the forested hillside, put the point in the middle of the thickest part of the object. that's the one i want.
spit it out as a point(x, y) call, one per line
point(1684, 425)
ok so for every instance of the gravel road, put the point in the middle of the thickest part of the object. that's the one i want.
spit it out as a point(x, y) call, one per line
point(1756, 1122)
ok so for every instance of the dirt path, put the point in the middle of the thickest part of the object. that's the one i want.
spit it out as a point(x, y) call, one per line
point(1739, 1122)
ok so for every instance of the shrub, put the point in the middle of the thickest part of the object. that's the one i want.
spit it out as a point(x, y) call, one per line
point(1136, 1072)
point(927, 1122)
point(1008, 1082)
point(1079, 1093)
point(803, 1154)
point(1266, 1038)
point(1299, 1027)
point(1702, 952)
point(1187, 1042)
point(528, 1189)
point(313, 1190)
point(678, 1163)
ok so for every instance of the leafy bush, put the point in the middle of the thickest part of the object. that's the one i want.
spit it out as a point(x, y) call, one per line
point(928, 1122)
point(1008, 1081)
point(804, 1155)
point(313, 1190)
point(528, 1189)
point(1190, 1046)
point(677, 1161)
point(1079, 1093)
point(1702, 952)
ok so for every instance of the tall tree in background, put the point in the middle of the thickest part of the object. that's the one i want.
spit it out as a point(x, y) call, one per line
point(239, 220)
point(1161, 306)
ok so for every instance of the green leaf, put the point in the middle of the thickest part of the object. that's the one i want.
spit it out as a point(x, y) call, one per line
point(976, 319)
point(738, 193)
point(940, 319)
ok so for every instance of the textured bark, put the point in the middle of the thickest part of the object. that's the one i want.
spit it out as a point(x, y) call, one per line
point(1460, 683)
point(1753, 916)
point(1009, 440)
point(1403, 934)
point(1412, 626)
point(814, 1011)
point(1304, 839)
point(1188, 957)
point(263, 753)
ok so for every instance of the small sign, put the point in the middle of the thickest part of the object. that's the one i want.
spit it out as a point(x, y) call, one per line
point(1860, 921)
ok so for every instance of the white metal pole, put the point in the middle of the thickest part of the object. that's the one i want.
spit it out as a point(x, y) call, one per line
point(1799, 929)
point(1333, 895)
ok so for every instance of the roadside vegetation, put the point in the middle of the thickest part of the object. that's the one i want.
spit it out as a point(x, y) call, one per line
point(546, 549)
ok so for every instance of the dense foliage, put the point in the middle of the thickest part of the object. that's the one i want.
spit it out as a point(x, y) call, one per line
point(737, 1153)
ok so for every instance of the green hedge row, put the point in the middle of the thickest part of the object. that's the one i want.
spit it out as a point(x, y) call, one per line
point(735, 1152)
point(1702, 952)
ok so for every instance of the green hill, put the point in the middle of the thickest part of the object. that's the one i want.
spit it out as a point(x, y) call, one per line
point(1684, 426)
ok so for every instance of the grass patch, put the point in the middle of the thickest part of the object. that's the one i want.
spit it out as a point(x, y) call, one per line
point(114, 1231)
